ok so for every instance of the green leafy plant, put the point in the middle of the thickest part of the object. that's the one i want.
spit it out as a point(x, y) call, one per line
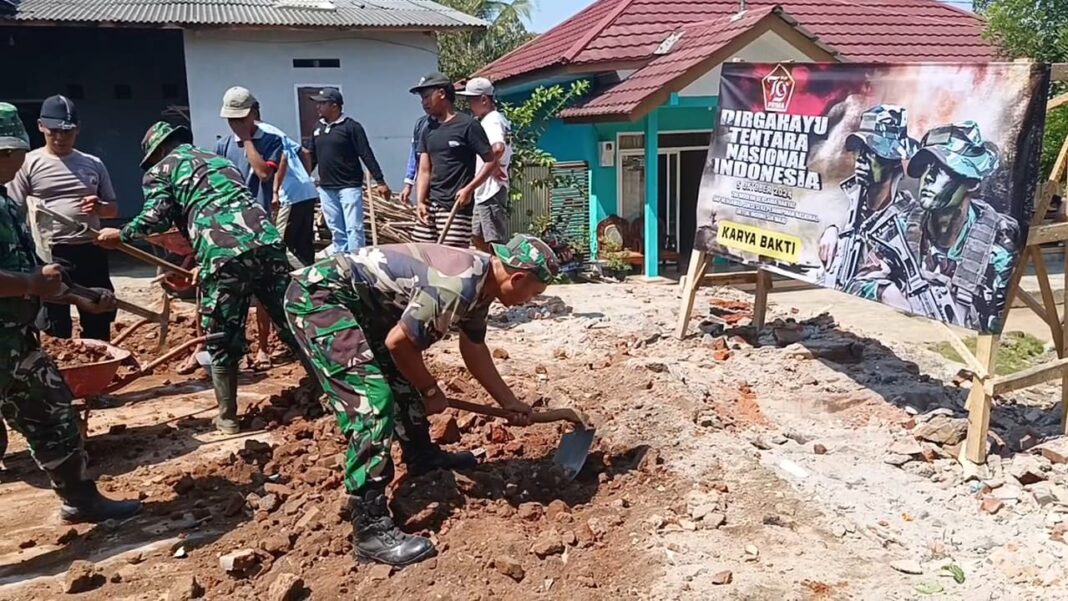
point(463, 53)
point(1036, 29)
point(530, 119)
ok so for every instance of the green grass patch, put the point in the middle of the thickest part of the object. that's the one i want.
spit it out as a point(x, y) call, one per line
point(1017, 352)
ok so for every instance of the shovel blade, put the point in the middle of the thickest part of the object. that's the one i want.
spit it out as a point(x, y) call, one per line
point(573, 450)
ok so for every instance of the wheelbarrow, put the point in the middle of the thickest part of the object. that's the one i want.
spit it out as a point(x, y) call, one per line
point(98, 378)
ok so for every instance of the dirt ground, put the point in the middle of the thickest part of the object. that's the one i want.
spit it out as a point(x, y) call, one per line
point(810, 462)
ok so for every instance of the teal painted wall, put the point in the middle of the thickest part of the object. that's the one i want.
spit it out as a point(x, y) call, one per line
point(579, 142)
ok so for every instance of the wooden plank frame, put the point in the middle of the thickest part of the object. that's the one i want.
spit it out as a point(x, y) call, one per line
point(985, 383)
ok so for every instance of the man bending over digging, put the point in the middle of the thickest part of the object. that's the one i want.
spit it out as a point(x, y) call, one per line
point(364, 319)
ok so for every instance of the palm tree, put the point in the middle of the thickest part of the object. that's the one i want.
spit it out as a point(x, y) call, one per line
point(462, 54)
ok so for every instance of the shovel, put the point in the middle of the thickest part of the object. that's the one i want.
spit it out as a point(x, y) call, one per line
point(574, 446)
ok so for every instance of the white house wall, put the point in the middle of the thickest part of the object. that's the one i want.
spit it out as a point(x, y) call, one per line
point(769, 47)
point(375, 74)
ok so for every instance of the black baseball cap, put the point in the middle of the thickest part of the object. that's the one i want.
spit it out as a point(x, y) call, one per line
point(59, 112)
point(431, 80)
point(329, 95)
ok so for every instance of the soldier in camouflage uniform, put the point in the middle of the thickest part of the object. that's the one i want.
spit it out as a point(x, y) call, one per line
point(962, 247)
point(364, 319)
point(880, 147)
point(34, 398)
point(239, 252)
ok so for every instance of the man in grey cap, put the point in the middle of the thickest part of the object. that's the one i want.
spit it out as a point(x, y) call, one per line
point(34, 398)
point(338, 146)
point(77, 185)
point(490, 223)
point(448, 151)
point(880, 147)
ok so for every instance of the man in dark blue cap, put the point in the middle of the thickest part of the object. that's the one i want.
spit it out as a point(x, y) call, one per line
point(880, 147)
point(338, 146)
point(77, 185)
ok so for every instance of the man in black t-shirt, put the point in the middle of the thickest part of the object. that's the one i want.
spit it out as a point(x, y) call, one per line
point(338, 146)
point(447, 150)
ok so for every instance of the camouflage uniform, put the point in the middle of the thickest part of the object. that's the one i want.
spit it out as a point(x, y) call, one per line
point(238, 249)
point(34, 398)
point(965, 283)
point(342, 309)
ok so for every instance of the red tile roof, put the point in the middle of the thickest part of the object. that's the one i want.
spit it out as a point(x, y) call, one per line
point(699, 41)
point(620, 31)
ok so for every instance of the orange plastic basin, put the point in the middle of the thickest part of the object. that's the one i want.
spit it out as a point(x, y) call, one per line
point(91, 379)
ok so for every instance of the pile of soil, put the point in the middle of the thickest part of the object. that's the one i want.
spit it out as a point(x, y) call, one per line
point(69, 353)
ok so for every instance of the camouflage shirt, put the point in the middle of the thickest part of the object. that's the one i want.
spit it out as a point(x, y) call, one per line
point(17, 255)
point(425, 287)
point(204, 195)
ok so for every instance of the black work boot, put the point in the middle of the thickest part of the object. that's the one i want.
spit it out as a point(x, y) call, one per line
point(82, 502)
point(224, 380)
point(375, 538)
point(421, 456)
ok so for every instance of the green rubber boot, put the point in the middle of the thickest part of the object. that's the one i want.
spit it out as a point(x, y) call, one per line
point(224, 379)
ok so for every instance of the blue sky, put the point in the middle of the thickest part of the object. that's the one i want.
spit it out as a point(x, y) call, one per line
point(550, 13)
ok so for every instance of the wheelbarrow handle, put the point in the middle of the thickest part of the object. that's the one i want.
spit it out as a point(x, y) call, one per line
point(537, 417)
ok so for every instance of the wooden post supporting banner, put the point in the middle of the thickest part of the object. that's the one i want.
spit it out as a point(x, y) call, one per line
point(986, 383)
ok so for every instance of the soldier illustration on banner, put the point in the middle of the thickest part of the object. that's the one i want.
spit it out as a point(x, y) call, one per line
point(930, 224)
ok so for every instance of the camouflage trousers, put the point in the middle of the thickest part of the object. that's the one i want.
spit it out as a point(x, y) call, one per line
point(227, 294)
point(35, 400)
point(346, 345)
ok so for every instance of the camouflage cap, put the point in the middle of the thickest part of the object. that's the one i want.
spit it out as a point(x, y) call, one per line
point(160, 132)
point(12, 131)
point(885, 130)
point(960, 148)
point(528, 253)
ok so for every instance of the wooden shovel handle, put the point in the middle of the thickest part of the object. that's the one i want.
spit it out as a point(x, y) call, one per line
point(448, 222)
point(537, 417)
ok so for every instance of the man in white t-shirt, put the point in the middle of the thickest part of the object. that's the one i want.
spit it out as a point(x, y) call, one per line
point(490, 221)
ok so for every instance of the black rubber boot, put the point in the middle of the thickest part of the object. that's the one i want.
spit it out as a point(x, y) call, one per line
point(82, 502)
point(422, 456)
point(224, 379)
point(375, 538)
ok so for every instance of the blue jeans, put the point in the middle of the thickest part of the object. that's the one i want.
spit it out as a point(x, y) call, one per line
point(343, 211)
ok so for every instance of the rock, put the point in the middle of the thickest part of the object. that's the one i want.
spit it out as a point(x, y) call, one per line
point(942, 429)
point(906, 447)
point(238, 561)
point(1007, 492)
point(752, 551)
point(68, 536)
point(714, 520)
point(286, 587)
point(268, 503)
point(819, 449)
point(724, 577)
point(500, 353)
point(277, 544)
point(991, 505)
point(788, 335)
point(649, 460)
point(907, 566)
point(444, 429)
point(896, 460)
point(1026, 469)
point(1055, 450)
point(135, 558)
point(380, 572)
point(529, 511)
point(499, 434)
point(555, 508)
point(1043, 492)
point(184, 484)
point(185, 588)
point(547, 544)
point(317, 475)
point(81, 577)
point(510, 567)
point(306, 520)
point(281, 491)
point(721, 355)
point(584, 535)
point(28, 544)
